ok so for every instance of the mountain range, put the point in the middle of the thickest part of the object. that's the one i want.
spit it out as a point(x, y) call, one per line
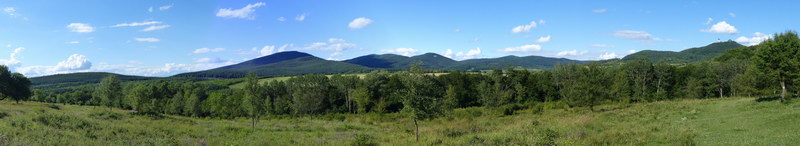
point(298, 63)
point(686, 56)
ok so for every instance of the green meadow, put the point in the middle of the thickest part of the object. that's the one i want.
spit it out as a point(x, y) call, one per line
point(726, 121)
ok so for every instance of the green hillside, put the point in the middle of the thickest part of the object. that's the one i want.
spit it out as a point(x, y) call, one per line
point(686, 56)
point(295, 66)
point(727, 121)
point(535, 62)
point(61, 81)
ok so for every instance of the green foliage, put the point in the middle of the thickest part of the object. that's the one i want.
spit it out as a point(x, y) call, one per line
point(62, 121)
point(690, 55)
point(363, 140)
point(60, 83)
point(253, 101)
point(779, 57)
point(14, 85)
point(109, 92)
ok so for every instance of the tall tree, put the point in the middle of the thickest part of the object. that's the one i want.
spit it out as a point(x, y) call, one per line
point(418, 102)
point(109, 91)
point(253, 98)
point(779, 58)
point(589, 89)
point(14, 85)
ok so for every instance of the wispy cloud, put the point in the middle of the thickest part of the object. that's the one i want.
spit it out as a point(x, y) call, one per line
point(80, 28)
point(599, 10)
point(301, 17)
point(245, 12)
point(151, 40)
point(523, 49)
point(543, 39)
point(137, 23)
point(359, 23)
point(207, 50)
point(634, 35)
point(155, 27)
point(401, 51)
point(524, 28)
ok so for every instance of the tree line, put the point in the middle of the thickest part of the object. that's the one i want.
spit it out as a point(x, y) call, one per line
point(768, 69)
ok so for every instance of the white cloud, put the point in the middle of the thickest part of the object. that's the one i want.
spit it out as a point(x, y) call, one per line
point(335, 54)
point(73, 42)
point(457, 30)
point(152, 40)
point(267, 50)
point(74, 63)
point(543, 39)
point(571, 53)
point(448, 53)
point(722, 28)
point(522, 49)
point(243, 13)
point(732, 15)
point(80, 27)
point(207, 50)
point(301, 17)
point(476, 39)
point(281, 19)
point(541, 21)
point(601, 46)
point(210, 60)
point(155, 27)
point(632, 51)
point(137, 23)
point(524, 28)
point(150, 9)
point(709, 21)
point(359, 23)
point(401, 51)
point(284, 46)
point(165, 7)
point(13, 59)
point(333, 44)
point(470, 54)
point(757, 38)
point(11, 11)
point(166, 69)
point(599, 10)
point(634, 35)
point(608, 55)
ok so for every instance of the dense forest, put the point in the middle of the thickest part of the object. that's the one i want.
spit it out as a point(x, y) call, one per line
point(768, 69)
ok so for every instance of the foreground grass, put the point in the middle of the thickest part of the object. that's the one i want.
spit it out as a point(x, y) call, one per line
point(729, 121)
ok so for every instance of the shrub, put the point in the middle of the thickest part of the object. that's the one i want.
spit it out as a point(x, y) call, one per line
point(537, 108)
point(20, 123)
point(62, 121)
point(53, 106)
point(547, 136)
point(106, 115)
point(3, 115)
point(510, 109)
point(363, 140)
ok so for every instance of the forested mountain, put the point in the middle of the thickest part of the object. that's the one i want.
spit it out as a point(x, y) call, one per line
point(76, 79)
point(393, 61)
point(686, 56)
point(299, 63)
point(536, 62)
point(279, 64)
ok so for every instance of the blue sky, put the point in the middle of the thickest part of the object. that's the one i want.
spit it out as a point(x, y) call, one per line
point(163, 37)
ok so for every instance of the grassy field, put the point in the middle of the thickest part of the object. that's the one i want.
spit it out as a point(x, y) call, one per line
point(728, 121)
